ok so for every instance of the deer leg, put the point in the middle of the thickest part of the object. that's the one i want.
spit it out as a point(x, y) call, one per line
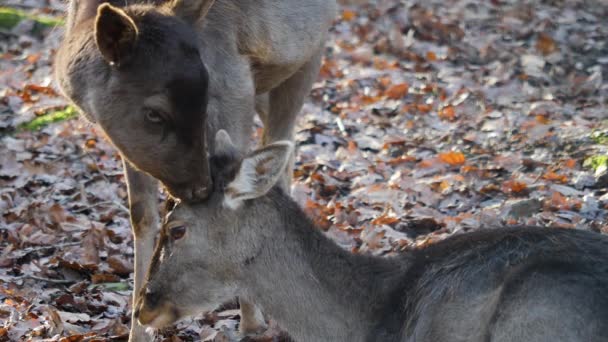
point(252, 319)
point(286, 101)
point(143, 207)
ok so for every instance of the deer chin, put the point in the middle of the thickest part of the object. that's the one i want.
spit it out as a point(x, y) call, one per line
point(191, 193)
point(158, 318)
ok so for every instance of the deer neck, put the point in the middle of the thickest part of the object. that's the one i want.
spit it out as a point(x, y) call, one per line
point(316, 290)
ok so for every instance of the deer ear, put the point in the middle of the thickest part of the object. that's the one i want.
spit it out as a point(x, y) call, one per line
point(258, 173)
point(191, 10)
point(115, 33)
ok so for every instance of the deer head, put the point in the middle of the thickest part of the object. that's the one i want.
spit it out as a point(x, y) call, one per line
point(204, 248)
point(137, 71)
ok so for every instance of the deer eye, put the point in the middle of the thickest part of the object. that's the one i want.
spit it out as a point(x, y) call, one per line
point(177, 232)
point(154, 116)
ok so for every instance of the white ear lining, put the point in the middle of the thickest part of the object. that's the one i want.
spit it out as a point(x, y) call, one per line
point(243, 183)
point(243, 186)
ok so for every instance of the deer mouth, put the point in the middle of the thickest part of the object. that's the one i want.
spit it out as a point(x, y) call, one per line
point(158, 317)
point(190, 193)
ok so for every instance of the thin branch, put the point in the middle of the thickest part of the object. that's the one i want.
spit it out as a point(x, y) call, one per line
point(47, 280)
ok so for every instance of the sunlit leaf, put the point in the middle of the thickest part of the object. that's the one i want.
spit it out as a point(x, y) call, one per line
point(453, 158)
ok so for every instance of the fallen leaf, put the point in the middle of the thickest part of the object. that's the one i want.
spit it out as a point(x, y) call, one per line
point(348, 15)
point(514, 187)
point(447, 113)
point(545, 44)
point(452, 158)
point(397, 91)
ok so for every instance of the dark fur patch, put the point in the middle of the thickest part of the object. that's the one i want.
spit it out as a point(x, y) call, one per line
point(223, 170)
point(162, 38)
point(188, 96)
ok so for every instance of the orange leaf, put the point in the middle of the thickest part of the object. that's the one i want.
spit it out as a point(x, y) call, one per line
point(367, 100)
point(90, 143)
point(559, 201)
point(447, 113)
point(425, 163)
point(384, 219)
point(452, 158)
point(431, 56)
point(397, 91)
point(318, 177)
point(330, 69)
point(469, 168)
point(33, 58)
point(352, 146)
point(545, 44)
point(552, 176)
point(348, 15)
point(570, 163)
point(385, 81)
point(515, 187)
point(543, 120)
point(425, 108)
point(401, 159)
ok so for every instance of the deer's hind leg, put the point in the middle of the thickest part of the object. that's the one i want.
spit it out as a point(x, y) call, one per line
point(143, 207)
point(285, 102)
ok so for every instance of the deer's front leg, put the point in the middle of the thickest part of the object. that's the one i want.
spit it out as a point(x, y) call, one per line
point(143, 207)
point(285, 102)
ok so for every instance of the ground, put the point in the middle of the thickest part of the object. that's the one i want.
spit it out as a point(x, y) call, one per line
point(429, 118)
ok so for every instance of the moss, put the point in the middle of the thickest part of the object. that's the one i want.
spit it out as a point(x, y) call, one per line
point(9, 17)
point(600, 137)
point(597, 162)
point(49, 118)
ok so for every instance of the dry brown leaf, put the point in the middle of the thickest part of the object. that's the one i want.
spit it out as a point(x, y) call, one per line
point(397, 91)
point(447, 113)
point(545, 44)
point(514, 187)
point(385, 219)
point(552, 176)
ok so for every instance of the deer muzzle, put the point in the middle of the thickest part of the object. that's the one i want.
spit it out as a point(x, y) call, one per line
point(156, 317)
point(196, 192)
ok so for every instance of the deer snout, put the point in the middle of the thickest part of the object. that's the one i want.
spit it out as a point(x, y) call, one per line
point(196, 192)
point(151, 312)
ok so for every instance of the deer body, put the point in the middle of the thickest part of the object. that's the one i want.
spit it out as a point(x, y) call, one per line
point(160, 76)
point(508, 284)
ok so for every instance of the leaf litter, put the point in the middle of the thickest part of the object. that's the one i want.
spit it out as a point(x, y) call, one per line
point(427, 120)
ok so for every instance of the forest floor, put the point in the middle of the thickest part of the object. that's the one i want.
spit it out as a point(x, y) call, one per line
point(429, 118)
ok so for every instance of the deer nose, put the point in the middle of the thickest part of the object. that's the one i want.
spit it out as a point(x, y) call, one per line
point(200, 193)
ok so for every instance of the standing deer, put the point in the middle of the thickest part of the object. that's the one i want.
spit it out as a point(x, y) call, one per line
point(249, 238)
point(159, 76)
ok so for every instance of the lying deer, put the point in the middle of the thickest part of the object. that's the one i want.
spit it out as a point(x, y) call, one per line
point(249, 238)
point(158, 76)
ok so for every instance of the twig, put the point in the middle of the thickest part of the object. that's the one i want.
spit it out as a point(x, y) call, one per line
point(120, 206)
point(48, 280)
point(61, 245)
